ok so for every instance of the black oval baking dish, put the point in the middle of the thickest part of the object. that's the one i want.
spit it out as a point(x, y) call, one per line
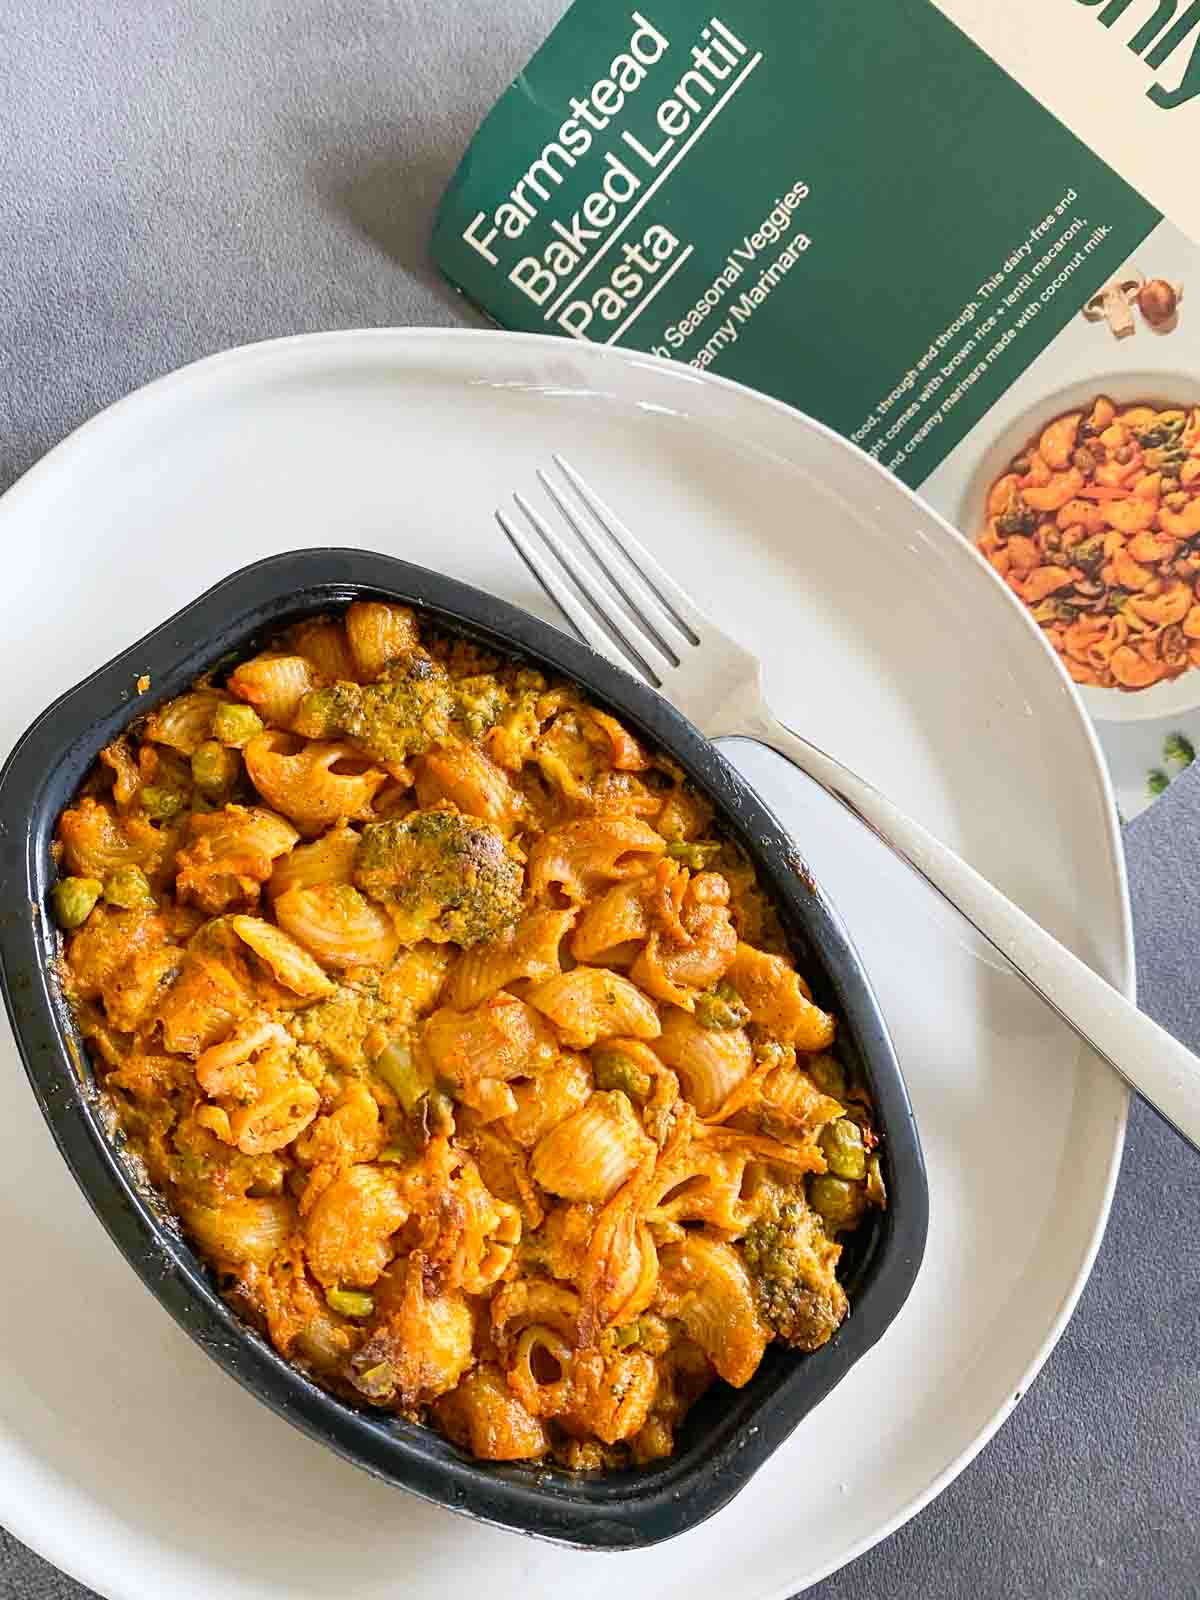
point(730, 1433)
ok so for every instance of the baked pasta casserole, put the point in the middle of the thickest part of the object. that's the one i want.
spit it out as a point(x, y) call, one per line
point(462, 1045)
point(1096, 527)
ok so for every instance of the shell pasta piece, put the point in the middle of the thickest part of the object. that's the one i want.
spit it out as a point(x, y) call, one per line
point(794, 1097)
point(709, 1062)
point(337, 925)
point(550, 1098)
point(779, 1000)
point(379, 634)
point(422, 1346)
point(541, 1370)
point(324, 645)
point(613, 928)
point(230, 855)
point(259, 1102)
point(184, 723)
point(705, 1283)
point(461, 1040)
point(312, 783)
point(502, 1038)
point(580, 856)
point(238, 1232)
point(464, 776)
point(590, 1154)
point(274, 685)
point(701, 1185)
point(485, 1416)
point(208, 997)
point(591, 1003)
point(528, 949)
point(94, 843)
point(348, 1234)
point(697, 952)
point(329, 859)
point(291, 964)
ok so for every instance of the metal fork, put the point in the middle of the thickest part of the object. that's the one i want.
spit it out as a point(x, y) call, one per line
point(633, 613)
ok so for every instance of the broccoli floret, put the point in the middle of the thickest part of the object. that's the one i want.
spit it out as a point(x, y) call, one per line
point(791, 1261)
point(1179, 749)
point(480, 703)
point(1157, 782)
point(444, 876)
point(400, 716)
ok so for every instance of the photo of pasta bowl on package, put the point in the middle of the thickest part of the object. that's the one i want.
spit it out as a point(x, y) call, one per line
point(423, 1006)
point(1088, 505)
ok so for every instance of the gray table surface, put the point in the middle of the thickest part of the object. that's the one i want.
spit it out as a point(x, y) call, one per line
point(179, 177)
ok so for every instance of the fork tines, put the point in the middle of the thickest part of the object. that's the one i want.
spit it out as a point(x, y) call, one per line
point(623, 603)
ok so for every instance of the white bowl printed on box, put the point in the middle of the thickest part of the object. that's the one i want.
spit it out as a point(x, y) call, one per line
point(129, 1458)
point(1126, 388)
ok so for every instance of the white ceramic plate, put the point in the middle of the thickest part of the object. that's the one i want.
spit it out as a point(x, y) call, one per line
point(1181, 694)
point(129, 1458)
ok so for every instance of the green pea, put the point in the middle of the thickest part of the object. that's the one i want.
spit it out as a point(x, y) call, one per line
point(613, 1069)
point(73, 899)
point(129, 889)
point(828, 1076)
point(161, 804)
point(838, 1204)
point(350, 1302)
point(845, 1152)
point(721, 1008)
point(769, 1052)
point(214, 768)
point(695, 855)
point(235, 725)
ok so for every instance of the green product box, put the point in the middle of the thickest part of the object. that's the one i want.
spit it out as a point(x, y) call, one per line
point(843, 203)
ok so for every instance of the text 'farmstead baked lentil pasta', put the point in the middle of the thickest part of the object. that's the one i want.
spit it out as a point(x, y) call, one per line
point(1096, 526)
point(468, 1055)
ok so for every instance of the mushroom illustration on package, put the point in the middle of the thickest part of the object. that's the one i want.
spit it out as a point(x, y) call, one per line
point(1156, 299)
point(1159, 302)
point(1115, 302)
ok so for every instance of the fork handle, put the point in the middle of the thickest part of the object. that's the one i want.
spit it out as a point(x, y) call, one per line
point(1162, 1070)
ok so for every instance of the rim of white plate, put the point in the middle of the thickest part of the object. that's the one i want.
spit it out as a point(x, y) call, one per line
point(264, 350)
